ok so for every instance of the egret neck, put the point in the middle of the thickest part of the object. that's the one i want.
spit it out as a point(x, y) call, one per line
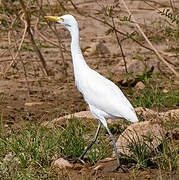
point(79, 62)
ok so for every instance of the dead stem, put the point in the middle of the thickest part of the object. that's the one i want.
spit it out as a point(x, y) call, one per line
point(120, 45)
point(148, 41)
point(37, 50)
point(64, 64)
point(19, 47)
point(120, 32)
point(64, 68)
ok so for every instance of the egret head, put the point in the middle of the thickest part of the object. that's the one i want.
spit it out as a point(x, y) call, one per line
point(67, 20)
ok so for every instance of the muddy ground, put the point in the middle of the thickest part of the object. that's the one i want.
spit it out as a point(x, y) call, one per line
point(36, 97)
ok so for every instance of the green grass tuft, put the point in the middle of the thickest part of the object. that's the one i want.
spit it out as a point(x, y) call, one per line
point(152, 96)
point(144, 154)
point(28, 153)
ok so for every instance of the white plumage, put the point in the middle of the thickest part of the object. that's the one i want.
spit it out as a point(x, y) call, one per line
point(104, 98)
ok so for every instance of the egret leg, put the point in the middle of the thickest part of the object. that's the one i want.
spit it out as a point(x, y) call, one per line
point(115, 150)
point(92, 141)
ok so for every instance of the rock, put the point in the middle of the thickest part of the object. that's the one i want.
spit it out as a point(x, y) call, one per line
point(139, 86)
point(135, 66)
point(148, 131)
point(165, 90)
point(101, 48)
point(9, 107)
point(146, 113)
point(149, 114)
point(171, 114)
point(61, 164)
point(81, 114)
point(145, 110)
point(98, 48)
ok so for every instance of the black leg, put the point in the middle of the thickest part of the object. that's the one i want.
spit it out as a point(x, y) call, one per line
point(115, 150)
point(92, 141)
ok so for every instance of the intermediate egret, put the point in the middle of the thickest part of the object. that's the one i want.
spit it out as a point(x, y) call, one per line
point(104, 98)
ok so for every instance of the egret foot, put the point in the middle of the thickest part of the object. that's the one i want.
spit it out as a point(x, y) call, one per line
point(120, 167)
point(78, 160)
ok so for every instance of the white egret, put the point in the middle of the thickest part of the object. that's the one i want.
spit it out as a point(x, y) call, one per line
point(104, 98)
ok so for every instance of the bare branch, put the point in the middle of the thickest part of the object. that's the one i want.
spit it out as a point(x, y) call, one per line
point(120, 45)
point(37, 50)
point(151, 45)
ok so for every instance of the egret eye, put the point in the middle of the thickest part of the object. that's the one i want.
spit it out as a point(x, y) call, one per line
point(61, 19)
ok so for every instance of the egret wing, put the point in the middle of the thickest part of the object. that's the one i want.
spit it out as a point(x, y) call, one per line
point(105, 95)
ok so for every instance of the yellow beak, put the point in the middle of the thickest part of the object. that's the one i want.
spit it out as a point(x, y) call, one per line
point(52, 18)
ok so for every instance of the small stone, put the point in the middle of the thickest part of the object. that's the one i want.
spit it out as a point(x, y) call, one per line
point(9, 107)
point(171, 114)
point(139, 86)
point(101, 48)
point(165, 90)
point(99, 167)
point(61, 163)
point(33, 103)
point(97, 48)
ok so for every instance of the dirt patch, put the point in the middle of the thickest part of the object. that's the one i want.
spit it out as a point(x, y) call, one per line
point(106, 171)
point(52, 100)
